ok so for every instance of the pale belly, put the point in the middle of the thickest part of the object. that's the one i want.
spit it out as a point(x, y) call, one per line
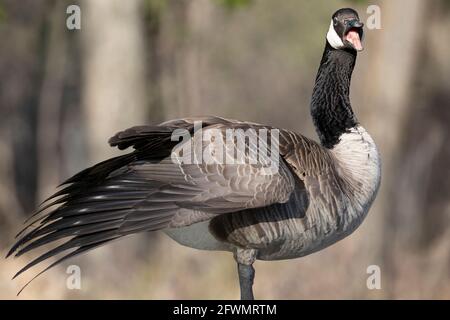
point(197, 236)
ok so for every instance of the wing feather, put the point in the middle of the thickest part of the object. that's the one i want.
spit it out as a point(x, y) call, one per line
point(146, 190)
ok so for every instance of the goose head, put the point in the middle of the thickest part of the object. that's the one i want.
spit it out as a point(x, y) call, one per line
point(346, 30)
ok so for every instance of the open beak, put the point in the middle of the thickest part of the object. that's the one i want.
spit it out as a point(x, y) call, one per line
point(353, 34)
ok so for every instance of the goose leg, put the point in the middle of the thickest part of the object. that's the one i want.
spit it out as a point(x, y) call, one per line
point(245, 259)
point(246, 277)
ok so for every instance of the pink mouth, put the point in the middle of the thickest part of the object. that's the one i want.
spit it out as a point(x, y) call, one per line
point(353, 37)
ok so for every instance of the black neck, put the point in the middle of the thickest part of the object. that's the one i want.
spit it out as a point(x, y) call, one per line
point(330, 105)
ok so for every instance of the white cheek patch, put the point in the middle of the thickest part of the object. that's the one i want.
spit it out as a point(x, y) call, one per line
point(333, 39)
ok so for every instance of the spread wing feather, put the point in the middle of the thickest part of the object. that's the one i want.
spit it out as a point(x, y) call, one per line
point(146, 190)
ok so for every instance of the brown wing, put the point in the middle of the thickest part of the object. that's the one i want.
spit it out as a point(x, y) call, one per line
point(145, 190)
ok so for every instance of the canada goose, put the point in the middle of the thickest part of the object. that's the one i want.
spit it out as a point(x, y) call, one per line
point(318, 194)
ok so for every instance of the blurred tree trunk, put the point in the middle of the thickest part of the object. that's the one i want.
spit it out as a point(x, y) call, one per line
point(425, 174)
point(391, 64)
point(115, 91)
point(50, 102)
point(183, 28)
point(421, 207)
point(10, 209)
point(20, 59)
point(114, 69)
point(153, 13)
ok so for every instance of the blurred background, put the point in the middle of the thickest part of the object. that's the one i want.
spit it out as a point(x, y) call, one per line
point(63, 93)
